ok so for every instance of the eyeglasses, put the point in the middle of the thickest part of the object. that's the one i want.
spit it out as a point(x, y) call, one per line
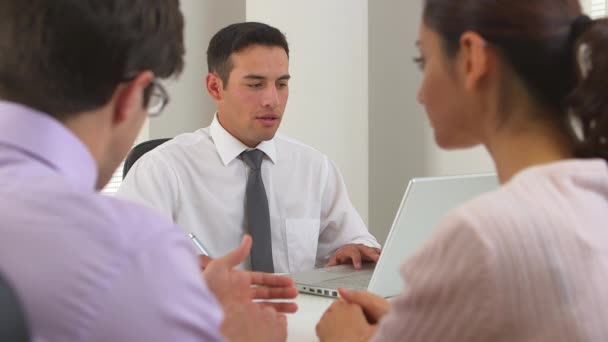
point(156, 98)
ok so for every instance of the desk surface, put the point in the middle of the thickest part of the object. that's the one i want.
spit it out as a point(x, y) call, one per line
point(301, 325)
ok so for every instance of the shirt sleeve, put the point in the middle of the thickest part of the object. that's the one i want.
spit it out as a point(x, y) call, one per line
point(160, 295)
point(449, 292)
point(153, 183)
point(341, 224)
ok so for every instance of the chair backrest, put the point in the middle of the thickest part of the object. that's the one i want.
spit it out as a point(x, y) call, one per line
point(139, 151)
point(13, 324)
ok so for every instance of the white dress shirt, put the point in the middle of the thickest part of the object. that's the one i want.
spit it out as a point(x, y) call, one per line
point(198, 180)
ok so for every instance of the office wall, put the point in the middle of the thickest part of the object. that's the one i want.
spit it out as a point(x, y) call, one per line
point(397, 126)
point(190, 106)
point(401, 144)
point(328, 104)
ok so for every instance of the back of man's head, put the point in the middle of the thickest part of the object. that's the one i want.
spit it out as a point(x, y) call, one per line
point(64, 57)
point(237, 37)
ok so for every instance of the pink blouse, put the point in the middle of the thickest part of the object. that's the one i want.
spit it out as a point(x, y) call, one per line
point(528, 262)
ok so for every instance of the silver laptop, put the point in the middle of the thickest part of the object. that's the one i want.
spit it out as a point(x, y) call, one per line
point(425, 202)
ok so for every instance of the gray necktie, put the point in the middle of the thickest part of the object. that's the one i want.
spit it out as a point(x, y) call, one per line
point(258, 217)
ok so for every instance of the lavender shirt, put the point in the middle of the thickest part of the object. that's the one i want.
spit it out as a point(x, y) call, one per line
point(89, 267)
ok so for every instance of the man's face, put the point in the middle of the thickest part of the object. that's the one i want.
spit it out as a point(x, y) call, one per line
point(251, 106)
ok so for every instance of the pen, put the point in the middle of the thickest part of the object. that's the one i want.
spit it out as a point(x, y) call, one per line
point(198, 244)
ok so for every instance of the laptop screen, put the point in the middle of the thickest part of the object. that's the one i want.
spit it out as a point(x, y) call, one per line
point(425, 202)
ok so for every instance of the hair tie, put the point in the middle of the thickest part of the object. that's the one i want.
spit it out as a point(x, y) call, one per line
point(583, 52)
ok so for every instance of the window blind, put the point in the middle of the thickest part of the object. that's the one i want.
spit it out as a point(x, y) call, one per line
point(598, 8)
point(112, 187)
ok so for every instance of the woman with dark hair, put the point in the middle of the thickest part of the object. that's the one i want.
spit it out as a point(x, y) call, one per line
point(528, 262)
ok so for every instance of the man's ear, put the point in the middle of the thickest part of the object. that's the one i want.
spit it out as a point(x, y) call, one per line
point(130, 96)
point(215, 86)
point(476, 59)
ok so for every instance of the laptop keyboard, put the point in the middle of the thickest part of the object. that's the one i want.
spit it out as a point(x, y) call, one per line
point(357, 281)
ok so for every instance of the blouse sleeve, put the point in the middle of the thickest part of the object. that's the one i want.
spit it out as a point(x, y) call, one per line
point(449, 290)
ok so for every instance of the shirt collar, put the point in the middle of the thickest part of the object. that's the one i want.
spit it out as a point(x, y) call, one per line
point(47, 140)
point(229, 147)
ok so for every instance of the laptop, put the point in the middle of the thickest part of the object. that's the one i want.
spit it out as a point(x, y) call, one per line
point(425, 202)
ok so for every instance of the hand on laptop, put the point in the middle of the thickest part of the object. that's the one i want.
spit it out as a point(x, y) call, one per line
point(236, 287)
point(355, 253)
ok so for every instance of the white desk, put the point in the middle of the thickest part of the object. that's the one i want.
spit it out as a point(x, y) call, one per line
point(301, 325)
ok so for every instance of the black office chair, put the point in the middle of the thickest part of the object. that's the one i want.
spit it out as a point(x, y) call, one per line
point(140, 150)
point(13, 324)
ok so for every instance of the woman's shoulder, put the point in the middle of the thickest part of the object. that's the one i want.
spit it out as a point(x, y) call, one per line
point(535, 206)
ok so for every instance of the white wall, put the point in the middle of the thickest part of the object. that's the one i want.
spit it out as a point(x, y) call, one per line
point(459, 161)
point(190, 106)
point(398, 129)
point(328, 104)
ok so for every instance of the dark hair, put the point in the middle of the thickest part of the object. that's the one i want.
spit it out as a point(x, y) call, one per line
point(63, 57)
point(540, 40)
point(237, 37)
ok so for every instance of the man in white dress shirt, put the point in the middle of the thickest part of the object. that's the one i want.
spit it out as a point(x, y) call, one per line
point(200, 179)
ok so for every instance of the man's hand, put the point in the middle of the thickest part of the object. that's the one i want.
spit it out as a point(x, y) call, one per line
point(243, 319)
point(233, 286)
point(355, 253)
point(344, 321)
point(203, 261)
point(374, 307)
